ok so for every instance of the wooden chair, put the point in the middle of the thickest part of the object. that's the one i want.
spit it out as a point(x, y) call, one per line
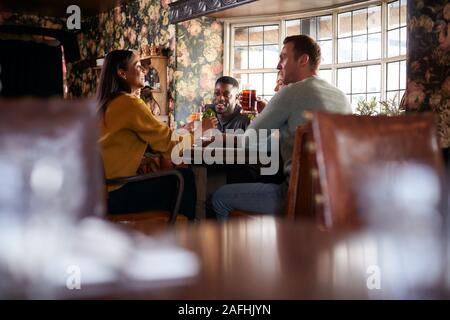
point(354, 151)
point(157, 217)
point(304, 200)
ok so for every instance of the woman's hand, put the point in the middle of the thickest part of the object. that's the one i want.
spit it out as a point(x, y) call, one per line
point(207, 123)
point(188, 126)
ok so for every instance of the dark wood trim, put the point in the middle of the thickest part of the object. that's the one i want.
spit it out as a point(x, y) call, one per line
point(183, 10)
point(68, 38)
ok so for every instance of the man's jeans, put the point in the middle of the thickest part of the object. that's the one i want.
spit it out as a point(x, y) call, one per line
point(265, 198)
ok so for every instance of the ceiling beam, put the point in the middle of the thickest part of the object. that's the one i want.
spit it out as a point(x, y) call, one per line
point(183, 10)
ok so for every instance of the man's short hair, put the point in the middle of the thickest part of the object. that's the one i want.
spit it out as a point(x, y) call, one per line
point(304, 44)
point(228, 80)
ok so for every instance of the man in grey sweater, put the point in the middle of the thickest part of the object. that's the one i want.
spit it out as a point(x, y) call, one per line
point(304, 91)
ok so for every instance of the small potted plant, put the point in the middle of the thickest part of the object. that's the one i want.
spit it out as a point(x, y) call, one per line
point(367, 108)
point(391, 108)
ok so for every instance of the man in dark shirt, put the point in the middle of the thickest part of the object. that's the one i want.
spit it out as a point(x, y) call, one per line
point(228, 111)
point(226, 105)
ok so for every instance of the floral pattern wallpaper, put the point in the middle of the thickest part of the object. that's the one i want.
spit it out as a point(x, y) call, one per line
point(428, 87)
point(194, 48)
point(199, 63)
point(129, 26)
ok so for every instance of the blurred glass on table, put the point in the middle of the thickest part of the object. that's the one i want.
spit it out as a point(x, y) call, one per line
point(52, 186)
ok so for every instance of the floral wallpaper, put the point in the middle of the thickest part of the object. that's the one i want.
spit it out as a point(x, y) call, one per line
point(428, 87)
point(199, 63)
point(129, 26)
point(194, 48)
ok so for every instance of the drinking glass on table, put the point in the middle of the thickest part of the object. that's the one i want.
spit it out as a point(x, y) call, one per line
point(196, 117)
point(196, 120)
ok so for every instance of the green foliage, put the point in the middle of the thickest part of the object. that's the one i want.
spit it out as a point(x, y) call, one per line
point(209, 113)
point(391, 107)
point(251, 116)
point(367, 108)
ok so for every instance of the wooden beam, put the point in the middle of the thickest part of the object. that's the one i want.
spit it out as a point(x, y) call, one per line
point(183, 10)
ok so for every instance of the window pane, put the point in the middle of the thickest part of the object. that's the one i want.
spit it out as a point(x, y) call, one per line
point(241, 57)
point(255, 35)
point(403, 74)
point(393, 95)
point(373, 78)
point(403, 40)
point(358, 79)
point(256, 80)
point(374, 19)
point(242, 78)
point(270, 34)
point(374, 46)
point(359, 38)
point(344, 24)
point(269, 83)
point(292, 27)
point(241, 36)
point(326, 74)
point(360, 22)
point(403, 12)
point(375, 95)
point(344, 79)
point(325, 28)
point(392, 74)
point(355, 99)
point(393, 15)
point(345, 50)
point(271, 54)
point(308, 27)
point(393, 43)
point(255, 57)
point(326, 49)
point(400, 96)
point(237, 76)
point(360, 48)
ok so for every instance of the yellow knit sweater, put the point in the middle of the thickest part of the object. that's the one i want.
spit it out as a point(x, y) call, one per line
point(127, 128)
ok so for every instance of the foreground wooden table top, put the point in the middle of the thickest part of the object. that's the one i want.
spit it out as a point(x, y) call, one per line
point(267, 258)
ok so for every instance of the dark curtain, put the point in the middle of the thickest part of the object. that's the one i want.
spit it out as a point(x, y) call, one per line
point(29, 68)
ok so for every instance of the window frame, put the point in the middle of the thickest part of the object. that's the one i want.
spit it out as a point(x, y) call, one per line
point(383, 61)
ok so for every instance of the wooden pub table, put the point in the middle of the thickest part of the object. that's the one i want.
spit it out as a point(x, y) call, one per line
point(208, 165)
point(270, 258)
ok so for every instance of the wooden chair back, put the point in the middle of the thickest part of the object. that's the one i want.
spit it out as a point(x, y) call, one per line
point(360, 157)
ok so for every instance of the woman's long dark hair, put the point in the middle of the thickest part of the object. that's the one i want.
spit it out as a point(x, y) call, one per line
point(110, 84)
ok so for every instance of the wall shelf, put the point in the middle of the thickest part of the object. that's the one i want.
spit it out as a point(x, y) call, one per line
point(160, 95)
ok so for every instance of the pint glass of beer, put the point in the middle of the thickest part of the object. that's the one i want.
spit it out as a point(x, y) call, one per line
point(248, 99)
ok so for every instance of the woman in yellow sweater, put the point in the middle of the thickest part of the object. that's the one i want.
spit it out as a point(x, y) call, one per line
point(127, 128)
